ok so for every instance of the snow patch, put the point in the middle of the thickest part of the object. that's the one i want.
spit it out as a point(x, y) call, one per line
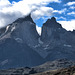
point(13, 28)
point(4, 62)
point(40, 42)
point(47, 45)
point(7, 28)
point(67, 45)
point(37, 46)
point(19, 40)
point(45, 48)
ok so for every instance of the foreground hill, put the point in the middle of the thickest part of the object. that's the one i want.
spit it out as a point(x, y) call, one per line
point(57, 67)
point(64, 71)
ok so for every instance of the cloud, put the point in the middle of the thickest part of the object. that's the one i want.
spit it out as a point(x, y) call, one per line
point(42, 11)
point(11, 11)
point(4, 3)
point(68, 25)
point(60, 11)
point(71, 13)
point(72, 7)
point(5, 19)
point(70, 3)
point(63, 18)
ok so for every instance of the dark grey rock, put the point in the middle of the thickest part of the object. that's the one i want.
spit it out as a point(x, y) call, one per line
point(16, 45)
point(21, 45)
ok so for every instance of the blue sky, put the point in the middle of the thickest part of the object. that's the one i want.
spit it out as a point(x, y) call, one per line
point(63, 10)
point(66, 15)
point(14, 0)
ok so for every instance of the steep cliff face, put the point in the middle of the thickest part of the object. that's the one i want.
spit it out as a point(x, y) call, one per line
point(16, 44)
point(21, 45)
point(24, 29)
point(14, 54)
point(58, 42)
point(2, 31)
point(51, 29)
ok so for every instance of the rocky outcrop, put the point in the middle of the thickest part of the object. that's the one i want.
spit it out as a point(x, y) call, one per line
point(73, 32)
point(51, 29)
point(57, 67)
point(25, 29)
point(14, 54)
point(58, 42)
point(2, 30)
point(53, 65)
point(64, 71)
point(26, 18)
point(20, 42)
point(16, 44)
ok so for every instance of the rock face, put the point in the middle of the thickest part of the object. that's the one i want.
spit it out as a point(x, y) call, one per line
point(53, 65)
point(50, 28)
point(14, 54)
point(57, 67)
point(64, 71)
point(24, 29)
point(2, 31)
point(57, 41)
point(16, 45)
point(21, 45)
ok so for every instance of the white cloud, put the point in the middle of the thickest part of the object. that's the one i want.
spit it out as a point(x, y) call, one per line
point(42, 11)
point(60, 11)
point(10, 12)
point(70, 3)
point(61, 18)
point(72, 7)
point(68, 25)
point(71, 13)
point(4, 3)
point(38, 29)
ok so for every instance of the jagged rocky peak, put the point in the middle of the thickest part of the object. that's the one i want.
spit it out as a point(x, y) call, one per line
point(25, 30)
point(73, 32)
point(26, 18)
point(16, 44)
point(50, 28)
point(53, 19)
point(52, 23)
point(13, 25)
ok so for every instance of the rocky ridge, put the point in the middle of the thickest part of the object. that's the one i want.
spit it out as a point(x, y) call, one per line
point(20, 42)
point(16, 43)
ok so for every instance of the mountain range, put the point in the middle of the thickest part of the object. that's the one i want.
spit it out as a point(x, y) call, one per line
point(21, 45)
